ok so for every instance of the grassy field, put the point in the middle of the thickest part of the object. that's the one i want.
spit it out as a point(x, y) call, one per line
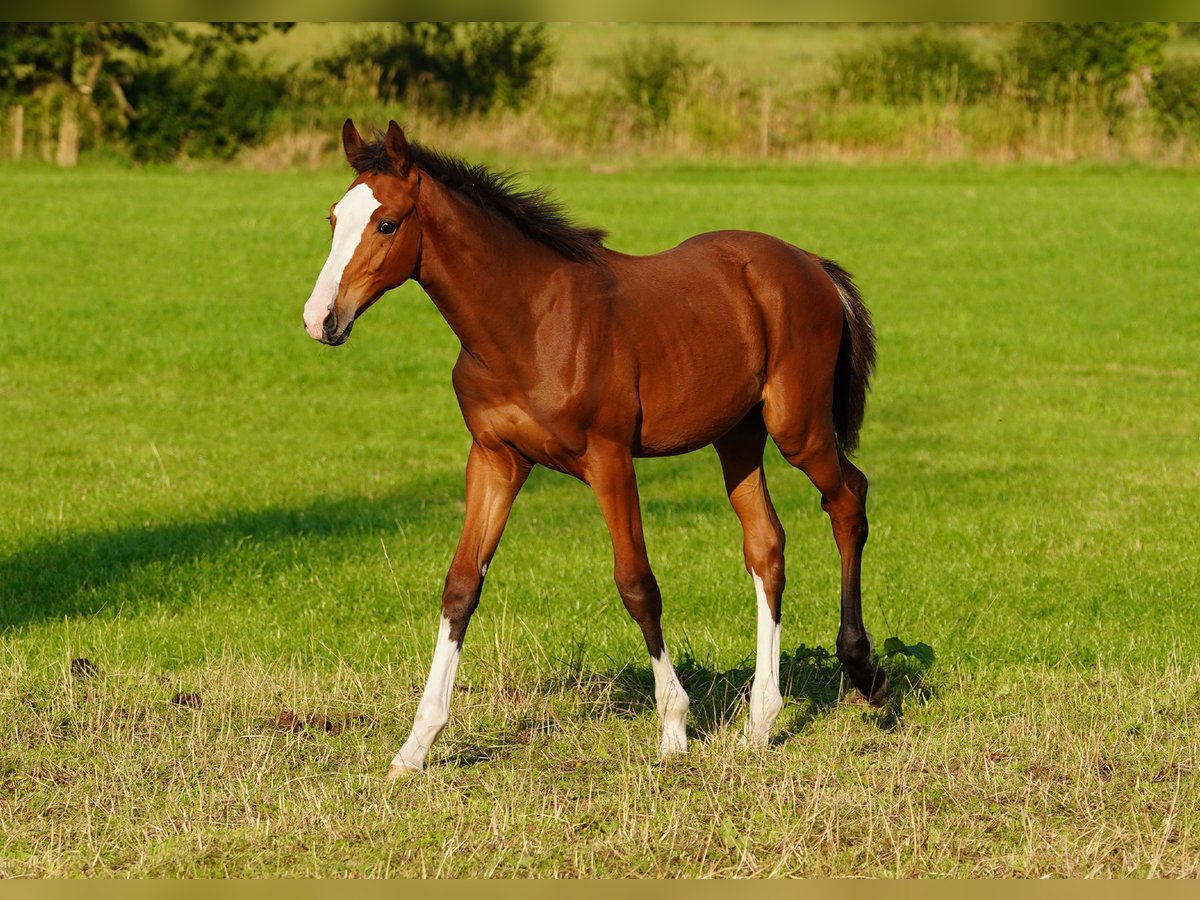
point(244, 534)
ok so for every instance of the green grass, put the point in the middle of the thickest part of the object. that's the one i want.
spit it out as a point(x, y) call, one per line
point(199, 499)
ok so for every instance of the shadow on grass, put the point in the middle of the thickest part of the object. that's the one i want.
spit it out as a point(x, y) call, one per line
point(82, 574)
point(811, 678)
point(481, 748)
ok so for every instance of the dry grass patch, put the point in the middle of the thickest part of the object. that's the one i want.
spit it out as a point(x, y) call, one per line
point(272, 771)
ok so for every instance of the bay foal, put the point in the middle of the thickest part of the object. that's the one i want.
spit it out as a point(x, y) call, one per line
point(580, 358)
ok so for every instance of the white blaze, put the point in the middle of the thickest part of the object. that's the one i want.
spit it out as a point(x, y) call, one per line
point(353, 214)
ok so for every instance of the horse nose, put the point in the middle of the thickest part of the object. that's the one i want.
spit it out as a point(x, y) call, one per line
point(329, 326)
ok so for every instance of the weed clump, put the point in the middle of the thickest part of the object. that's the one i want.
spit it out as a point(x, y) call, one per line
point(653, 76)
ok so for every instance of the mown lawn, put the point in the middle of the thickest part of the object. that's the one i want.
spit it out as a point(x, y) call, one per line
point(245, 534)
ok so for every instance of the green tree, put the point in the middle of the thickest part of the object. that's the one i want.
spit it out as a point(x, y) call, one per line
point(463, 67)
point(210, 104)
point(70, 64)
point(80, 67)
point(1121, 57)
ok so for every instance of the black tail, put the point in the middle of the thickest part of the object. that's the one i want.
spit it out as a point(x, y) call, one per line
point(856, 359)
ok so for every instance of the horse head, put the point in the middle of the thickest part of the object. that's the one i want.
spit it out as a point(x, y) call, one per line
point(376, 243)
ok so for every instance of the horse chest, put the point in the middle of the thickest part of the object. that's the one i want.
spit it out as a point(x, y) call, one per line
point(536, 440)
point(497, 412)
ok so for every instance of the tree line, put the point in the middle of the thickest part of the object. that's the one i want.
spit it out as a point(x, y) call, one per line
point(154, 92)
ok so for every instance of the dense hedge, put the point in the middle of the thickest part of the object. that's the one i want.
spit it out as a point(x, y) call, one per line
point(1047, 62)
point(1176, 98)
point(1051, 56)
point(462, 67)
point(209, 106)
point(653, 75)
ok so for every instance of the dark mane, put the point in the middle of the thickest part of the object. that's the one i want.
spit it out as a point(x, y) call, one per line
point(533, 212)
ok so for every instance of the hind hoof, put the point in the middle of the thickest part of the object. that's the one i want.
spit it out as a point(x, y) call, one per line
point(879, 696)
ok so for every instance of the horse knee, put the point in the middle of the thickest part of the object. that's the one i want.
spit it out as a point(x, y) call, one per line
point(639, 592)
point(853, 528)
point(764, 558)
point(460, 597)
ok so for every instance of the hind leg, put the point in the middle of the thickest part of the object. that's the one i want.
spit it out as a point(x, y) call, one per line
point(813, 449)
point(740, 453)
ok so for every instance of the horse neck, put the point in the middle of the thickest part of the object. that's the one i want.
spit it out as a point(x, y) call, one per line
point(482, 275)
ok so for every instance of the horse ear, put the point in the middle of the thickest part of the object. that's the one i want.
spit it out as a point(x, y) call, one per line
point(397, 147)
point(351, 140)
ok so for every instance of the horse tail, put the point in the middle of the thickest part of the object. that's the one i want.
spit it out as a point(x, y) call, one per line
point(856, 359)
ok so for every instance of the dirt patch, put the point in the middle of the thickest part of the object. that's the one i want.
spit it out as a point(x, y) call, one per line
point(188, 699)
point(290, 720)
point(82, 667)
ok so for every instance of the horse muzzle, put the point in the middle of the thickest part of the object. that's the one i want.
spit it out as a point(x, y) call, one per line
point(333, 332)
point(329, 330)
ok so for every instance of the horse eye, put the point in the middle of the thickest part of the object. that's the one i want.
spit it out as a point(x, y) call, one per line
point(387, 226)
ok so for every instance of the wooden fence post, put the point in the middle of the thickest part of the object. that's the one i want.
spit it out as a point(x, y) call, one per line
point(68, 133)
point(16, 115)
point(44, 146)
point(764, 136)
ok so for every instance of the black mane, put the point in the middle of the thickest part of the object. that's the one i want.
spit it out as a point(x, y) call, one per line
point(533, 212)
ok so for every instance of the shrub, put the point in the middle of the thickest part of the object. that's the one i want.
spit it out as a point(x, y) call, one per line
point(1000, 128)
point(865, 126)
point(924, 65)
point(463, 67)
point(1175, 97)
point(1053, 57)
point(653, 76)
point(208, 106)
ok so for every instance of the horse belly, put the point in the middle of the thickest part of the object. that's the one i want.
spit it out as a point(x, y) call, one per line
point(700, 349)
point(685, 407)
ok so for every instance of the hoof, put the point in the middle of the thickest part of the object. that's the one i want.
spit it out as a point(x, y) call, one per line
point(871, 682)
point(879, 696)
point(399, 770)
point(756, 739)
point(675, 745)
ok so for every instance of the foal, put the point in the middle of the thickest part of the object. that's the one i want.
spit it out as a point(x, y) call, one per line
point(580, 358)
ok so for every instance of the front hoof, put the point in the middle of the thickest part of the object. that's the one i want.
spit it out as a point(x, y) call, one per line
point(756, 739)
point(672, 745)
point(401, 770)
